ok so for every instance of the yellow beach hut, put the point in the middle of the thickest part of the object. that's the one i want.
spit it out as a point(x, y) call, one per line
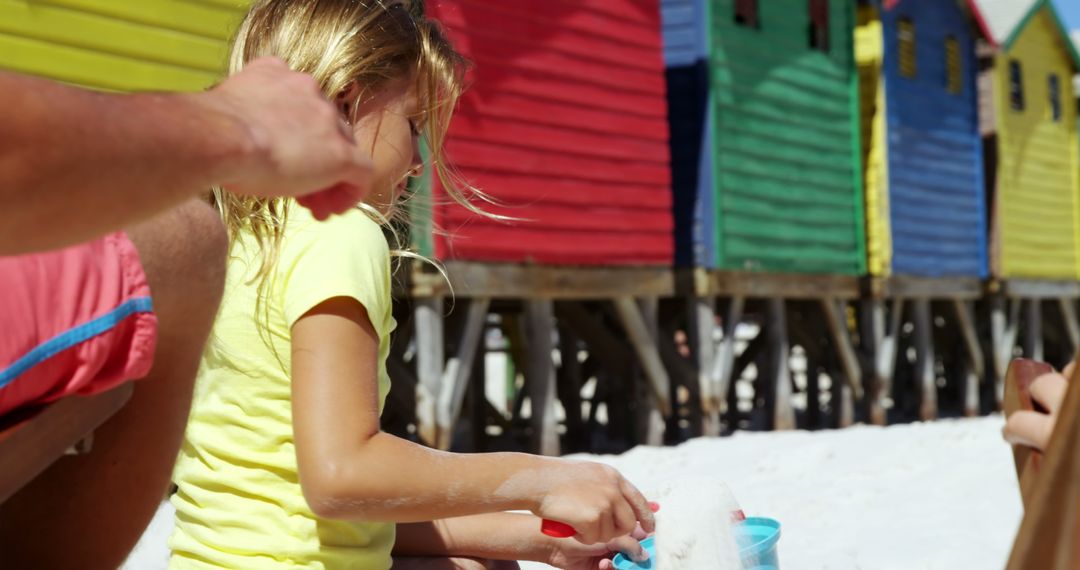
point(120, 45)
point(1030, 133)
point(1076, 82)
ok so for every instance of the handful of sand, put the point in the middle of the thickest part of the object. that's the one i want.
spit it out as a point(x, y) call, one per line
point(694, 527)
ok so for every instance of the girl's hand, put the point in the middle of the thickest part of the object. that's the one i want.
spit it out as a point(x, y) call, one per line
point(569, 554)
point(1034, 429)
point(595, 499)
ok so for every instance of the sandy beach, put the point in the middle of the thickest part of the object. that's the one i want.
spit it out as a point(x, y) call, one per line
point(928, 496)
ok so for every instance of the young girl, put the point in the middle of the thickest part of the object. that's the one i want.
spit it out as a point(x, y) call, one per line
point(283, 463)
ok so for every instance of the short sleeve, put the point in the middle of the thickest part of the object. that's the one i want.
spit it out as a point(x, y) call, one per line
point(345, 256)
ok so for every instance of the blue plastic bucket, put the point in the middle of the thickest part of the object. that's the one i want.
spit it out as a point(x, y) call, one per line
point(757, 538)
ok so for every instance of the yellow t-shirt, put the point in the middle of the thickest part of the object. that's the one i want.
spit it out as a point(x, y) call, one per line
point(239, 503)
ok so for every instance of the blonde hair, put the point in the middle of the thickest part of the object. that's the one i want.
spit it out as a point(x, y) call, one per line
point(339, 42)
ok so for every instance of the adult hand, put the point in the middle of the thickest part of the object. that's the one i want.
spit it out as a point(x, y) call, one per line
point(1034, 428)
point(300, 144)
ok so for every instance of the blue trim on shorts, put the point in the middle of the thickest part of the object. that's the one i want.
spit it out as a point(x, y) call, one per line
point(73, 337)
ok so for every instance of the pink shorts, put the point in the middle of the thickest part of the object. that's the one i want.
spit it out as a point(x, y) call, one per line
point(73, 321)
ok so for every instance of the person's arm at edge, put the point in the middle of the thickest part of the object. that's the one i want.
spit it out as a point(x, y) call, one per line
point(75, 164)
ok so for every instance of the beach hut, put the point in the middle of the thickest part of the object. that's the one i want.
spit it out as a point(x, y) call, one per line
point(766, 170)
point(1032, 174)
point(686, 57)
point(565, 123)
point(1031, 140)
point(922, 151)
point(765, 124)
point(925, 197)
point(1076, 80)
point(120, 46)
point(565, 126)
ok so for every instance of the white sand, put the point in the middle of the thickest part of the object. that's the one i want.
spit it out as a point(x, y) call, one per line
point(923, 496)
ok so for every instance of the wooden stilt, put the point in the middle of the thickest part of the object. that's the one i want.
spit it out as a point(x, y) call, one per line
point(1072, 326)
point(402, 396)
point(513, 328)
point(603, 346)
point(881, 330)
point(429, 365)
point(702, 313)
point(568, 389)
point(399, 414)
point(478, 399)
point(645, 347)
point(851, 385)
point(836, 320)
point(722, 374)
point(813, 393)
point(925, 372)
point(783, 414)
point(540, 375)
point(755, 347)
point(655, 420)
point(1004, 318)
point(974, 368)
point(459, 369)
point(684, 375)
point(1033, 334)
point(844, 404)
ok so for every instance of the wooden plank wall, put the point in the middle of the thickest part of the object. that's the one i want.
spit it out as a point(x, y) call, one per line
point(869, 51)
point(566, 124)
point(936, 199)
point(686, 55)
point(1038, 213)
point(120, 45)
point(787, 156)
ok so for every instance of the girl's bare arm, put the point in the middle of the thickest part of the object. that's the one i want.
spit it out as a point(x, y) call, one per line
point(509, 536)
point(349, 469)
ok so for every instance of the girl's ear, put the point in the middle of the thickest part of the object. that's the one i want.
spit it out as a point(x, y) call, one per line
point(347, 100)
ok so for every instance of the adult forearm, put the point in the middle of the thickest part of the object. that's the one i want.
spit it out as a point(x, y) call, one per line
point(75, 164)
point(393, 480)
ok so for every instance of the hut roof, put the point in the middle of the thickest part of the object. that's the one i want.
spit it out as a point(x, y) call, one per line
point(1002, 21)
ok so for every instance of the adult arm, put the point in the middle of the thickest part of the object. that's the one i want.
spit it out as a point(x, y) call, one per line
point(75, 164)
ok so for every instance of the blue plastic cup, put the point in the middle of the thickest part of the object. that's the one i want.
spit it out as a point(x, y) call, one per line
point(757, 538)
point(624, 563)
